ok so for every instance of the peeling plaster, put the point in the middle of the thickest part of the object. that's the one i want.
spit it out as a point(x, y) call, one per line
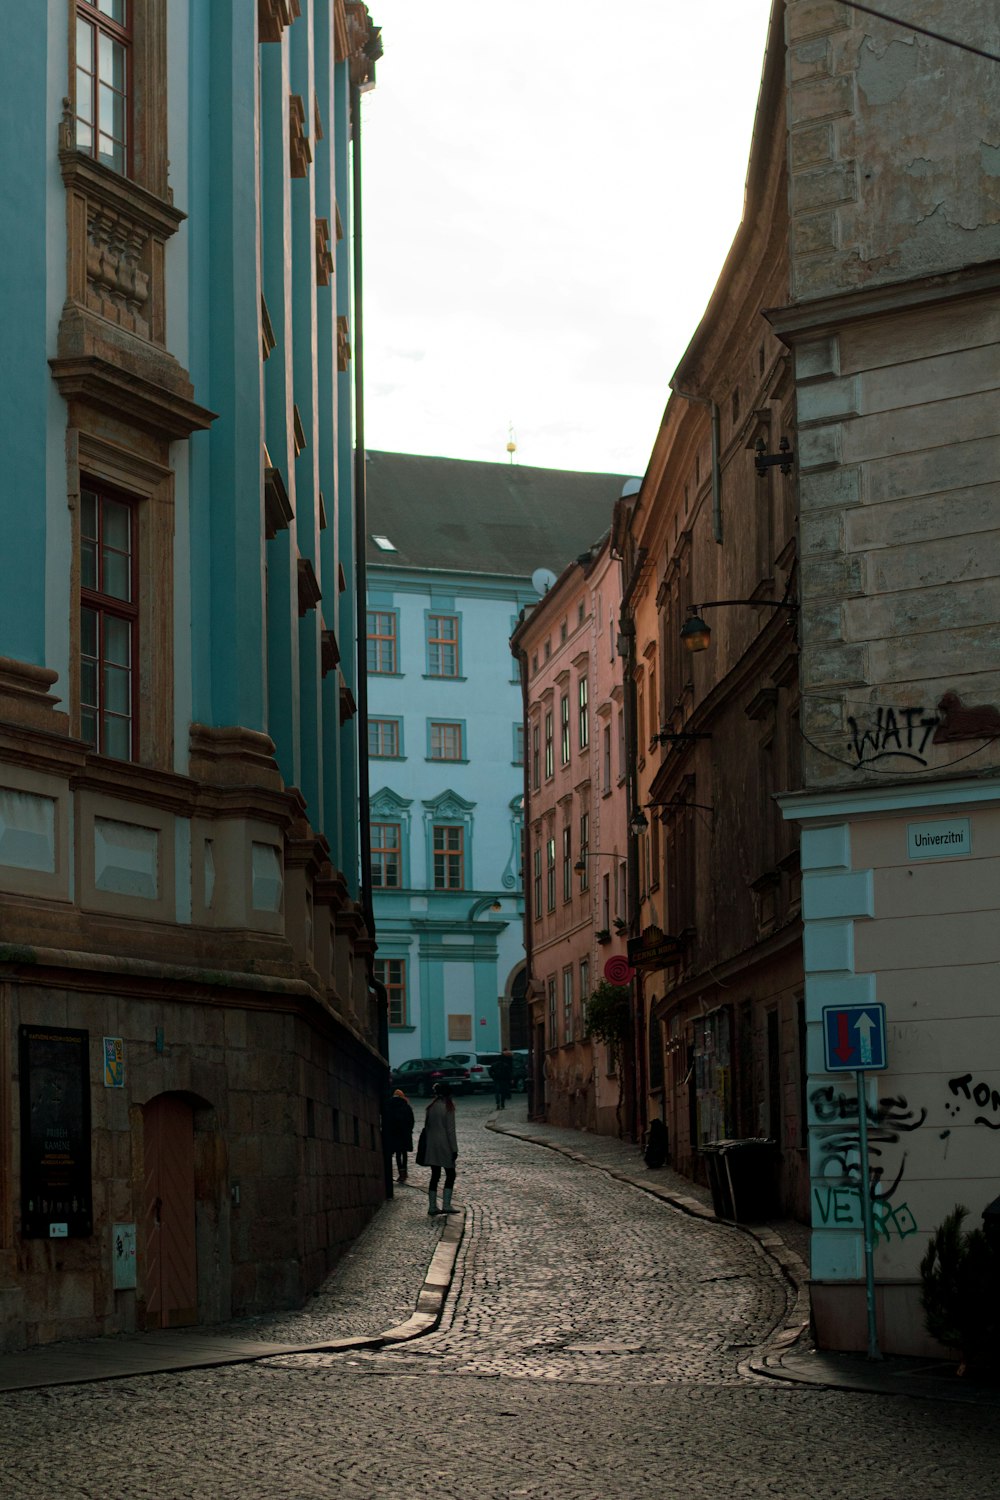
point(883, 77)
point(989, 155)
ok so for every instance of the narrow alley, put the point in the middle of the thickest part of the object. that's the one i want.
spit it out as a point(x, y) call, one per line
point(595, 1342)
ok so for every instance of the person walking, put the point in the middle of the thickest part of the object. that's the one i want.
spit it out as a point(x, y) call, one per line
point(502, 1073)
point(441, 1147)
point(400, 1130)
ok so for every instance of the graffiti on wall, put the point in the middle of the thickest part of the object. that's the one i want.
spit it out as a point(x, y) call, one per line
point(840, 1208)
point(901, 733)
point(840, 1144)
point(980, 1094)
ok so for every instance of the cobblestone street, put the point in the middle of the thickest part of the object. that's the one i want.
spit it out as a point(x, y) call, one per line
point(594, 1343)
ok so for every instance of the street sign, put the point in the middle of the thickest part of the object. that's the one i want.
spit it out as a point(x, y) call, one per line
point(854, 1038)
point(654, 949)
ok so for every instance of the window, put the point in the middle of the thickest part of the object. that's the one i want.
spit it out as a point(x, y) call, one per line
point(537, 887)
point(563, 630)
point(442, 645)
point(581, 612)
point(606, 760)
point(449, 858)
point(549, 747)
point(584, 850)
point(387, 850)
point(583, 712)
point(567, 985)
point(446, 741)
point(550, 985)
point(654, 852)
point(584, 983)
point(535, 757)
point(621, 743)
point(108, 623)
point(622, 906)
point(564, 730)
point(654, 710)
point(567, 863)
point(392, 973)
point(550, 874)
point(606, 902)
point(383, 739)
point(103, 65)
point(519, 744)
point(382, 644)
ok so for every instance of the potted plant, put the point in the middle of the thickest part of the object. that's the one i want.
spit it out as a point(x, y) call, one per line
point(603, 934)
point(960, 1295)
point(608, 1019)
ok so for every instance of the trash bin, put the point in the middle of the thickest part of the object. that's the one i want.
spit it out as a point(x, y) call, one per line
point(718, 1181)
point(748, 1179)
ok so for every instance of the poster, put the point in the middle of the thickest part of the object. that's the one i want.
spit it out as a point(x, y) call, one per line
point(56, 1200)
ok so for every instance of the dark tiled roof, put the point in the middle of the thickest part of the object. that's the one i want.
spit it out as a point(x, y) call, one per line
point(484, 518)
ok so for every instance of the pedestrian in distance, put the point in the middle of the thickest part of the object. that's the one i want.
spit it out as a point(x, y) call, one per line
point(400, 1130)
point(441, 1147)
point(502, 1073)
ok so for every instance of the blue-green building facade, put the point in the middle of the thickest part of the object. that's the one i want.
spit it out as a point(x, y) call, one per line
point(456, 549)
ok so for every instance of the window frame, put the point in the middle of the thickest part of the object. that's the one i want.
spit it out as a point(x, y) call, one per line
point(550, 873)
point(379, 853)
point(583, 711)
point(584, 848)
point(565, 748)
point(105, 605)
point(399, 985)
point(456, 725)
point(382, 723)
point(567, 861)
point(567, 999)
point(440, 642)
point(550, 753)
point(122, 35)
point(448, 857)
point(519, 739)
point(392, 637)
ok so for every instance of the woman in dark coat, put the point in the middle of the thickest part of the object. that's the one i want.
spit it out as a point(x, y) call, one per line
point(442, 1146)
point(400, 1130)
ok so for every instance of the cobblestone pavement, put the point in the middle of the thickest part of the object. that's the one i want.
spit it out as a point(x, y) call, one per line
point(593, 1346)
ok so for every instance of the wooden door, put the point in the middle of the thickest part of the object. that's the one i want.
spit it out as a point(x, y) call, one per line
point(171, 1280)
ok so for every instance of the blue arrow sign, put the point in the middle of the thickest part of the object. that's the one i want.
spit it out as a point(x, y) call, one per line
point(854, 1037)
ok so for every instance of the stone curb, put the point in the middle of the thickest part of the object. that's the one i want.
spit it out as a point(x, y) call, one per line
point(425, 1318)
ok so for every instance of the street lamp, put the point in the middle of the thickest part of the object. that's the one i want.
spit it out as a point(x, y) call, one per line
point(696, 635)
point(581, 864)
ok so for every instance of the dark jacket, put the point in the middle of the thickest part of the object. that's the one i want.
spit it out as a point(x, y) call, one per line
point(400, 1118)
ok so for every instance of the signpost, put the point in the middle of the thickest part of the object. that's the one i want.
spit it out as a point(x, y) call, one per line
point(854, 1042)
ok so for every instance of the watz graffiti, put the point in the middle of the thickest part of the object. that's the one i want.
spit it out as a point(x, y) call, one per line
point(903, 733)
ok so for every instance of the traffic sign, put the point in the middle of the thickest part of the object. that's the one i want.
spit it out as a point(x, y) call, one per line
point(854, 1038)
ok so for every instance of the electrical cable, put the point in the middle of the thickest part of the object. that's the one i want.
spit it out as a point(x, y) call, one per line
point(897, 771)
point(936, 36)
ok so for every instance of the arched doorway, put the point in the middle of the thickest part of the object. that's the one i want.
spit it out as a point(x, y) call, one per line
point(520, 1037)
point(170, 1260)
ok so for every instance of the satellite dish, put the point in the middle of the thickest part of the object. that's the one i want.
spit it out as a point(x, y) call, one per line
point(542, 580)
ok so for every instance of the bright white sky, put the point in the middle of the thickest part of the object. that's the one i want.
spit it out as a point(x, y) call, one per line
point(550, 190)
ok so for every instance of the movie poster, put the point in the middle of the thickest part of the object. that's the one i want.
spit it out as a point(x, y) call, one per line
point(56, 1200)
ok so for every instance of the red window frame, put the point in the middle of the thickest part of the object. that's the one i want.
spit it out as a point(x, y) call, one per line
point(382, 643)
point(440, 644)
point(106, 607)
point(448, 847)
point(119, 34)
point(387, 854)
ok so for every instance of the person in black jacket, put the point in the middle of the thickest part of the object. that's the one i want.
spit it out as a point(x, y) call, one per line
point(502, 1073)
point(400, 1130)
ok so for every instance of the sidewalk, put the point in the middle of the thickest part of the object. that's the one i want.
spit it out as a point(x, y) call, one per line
point(789, 1355)
point(385, 1268)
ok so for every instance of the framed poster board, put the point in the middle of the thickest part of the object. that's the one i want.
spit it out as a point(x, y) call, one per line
point(56, 1192)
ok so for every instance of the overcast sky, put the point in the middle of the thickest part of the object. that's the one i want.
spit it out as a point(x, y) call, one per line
point(550, 190)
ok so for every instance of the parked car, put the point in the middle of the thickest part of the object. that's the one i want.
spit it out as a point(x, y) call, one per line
point(418, 1075)
point(476, 1068)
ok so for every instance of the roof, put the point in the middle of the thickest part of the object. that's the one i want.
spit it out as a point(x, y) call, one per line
point(474, 517)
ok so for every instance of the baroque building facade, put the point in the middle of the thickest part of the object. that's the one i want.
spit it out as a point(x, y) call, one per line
point(892, 318)
point(453, 548)
point(190, 1064)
